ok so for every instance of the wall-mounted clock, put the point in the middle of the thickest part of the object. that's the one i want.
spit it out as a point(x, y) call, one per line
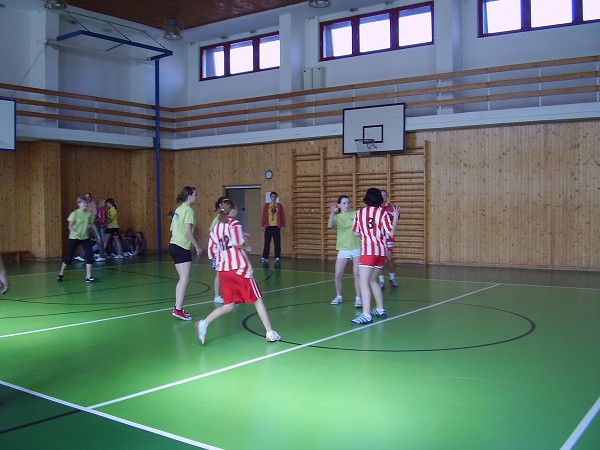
point(268, 174)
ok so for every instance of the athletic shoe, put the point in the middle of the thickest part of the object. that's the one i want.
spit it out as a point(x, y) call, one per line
point(99, 258)
point(358, 302)
point(264, 260)
point(201, 329)
point(79, 258)
point(393, 282)
point(59, 278)
point(363, 319)
point(337, 300)
point(379, 313)
point(272, 336)
point(181, 314)
point(382, 284)
point(91, 280)
point(118, 257)
point(219, 300)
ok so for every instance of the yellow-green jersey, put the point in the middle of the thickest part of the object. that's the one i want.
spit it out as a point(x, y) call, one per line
point(80, 221)
point(345, 236)
point(183, 214)
point(112, 218)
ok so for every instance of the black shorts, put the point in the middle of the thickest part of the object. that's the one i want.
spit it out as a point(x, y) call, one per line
point(112, 231)
point(179, 254)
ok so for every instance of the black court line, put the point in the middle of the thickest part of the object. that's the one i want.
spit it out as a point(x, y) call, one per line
point(531, 329)
point(40, 421)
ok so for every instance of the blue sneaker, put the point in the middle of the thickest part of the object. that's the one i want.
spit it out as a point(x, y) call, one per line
point(379, 313)
point(363, 319)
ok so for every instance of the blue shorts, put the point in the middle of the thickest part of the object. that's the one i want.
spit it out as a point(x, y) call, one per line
point(348, 254)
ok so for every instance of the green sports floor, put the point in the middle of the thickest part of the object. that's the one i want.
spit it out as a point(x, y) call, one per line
point(468, 358)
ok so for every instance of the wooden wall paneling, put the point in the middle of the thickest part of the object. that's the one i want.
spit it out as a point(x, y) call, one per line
point(105, 172)
point(514, 195)
point(211, 170)
point(308, 201)
point(406, 189)
point(143, 195)
point(520, 195)
point(45, 188)
point(168, 192)
point(574, 165)
point(352, 176)
point(15, 197)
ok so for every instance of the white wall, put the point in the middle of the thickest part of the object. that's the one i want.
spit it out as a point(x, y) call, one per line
point(15, 51)
point(24, 59)
point(515, 48)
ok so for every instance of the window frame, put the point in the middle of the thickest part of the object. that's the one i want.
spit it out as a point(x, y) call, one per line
point(577, 19)
point(393, 13)
point(255, 40)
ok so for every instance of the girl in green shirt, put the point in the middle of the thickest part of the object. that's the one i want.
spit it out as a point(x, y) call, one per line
point(348, 246)
point(79, 222)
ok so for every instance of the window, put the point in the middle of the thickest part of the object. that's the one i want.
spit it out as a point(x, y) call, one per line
point(382, 31)
point(415, 26)
point(374, 33)
point(502, 16)
point(268, 52)
point(591, 10)
point(243, 56)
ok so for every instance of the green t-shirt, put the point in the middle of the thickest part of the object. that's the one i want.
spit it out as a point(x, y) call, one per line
point(214, 222)
point(183, 214)
point(345, 237)
point(80, 221)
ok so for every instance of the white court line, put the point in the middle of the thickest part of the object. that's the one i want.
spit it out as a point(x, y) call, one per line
point(292, 349)
point(578, 432)
point(111, 417)
point(126, 316)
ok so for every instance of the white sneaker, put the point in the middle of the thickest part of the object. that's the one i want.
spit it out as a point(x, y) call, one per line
point(272, 336)
point(201, 329)
point(337, 300)
point(119, 257)
point(79, 258)
point(99, 258)
point(219, 300)
point(358, 302)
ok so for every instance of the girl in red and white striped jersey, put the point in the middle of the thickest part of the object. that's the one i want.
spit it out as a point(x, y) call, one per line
point(227, 243)
point(374, 226)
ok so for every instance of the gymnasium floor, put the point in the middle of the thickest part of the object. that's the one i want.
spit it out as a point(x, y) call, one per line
point(468, 358)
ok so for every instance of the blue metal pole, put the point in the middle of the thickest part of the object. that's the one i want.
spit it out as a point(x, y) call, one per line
point(157, 153)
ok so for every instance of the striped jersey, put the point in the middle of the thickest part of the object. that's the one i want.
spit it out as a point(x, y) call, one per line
point(389, 208)
point(223, 244)
point(374, 226)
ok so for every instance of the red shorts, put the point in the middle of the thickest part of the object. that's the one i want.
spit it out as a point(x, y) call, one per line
point(372, 261)
point(238, 289)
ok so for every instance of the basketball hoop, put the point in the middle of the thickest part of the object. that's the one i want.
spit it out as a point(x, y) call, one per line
point(364, 147)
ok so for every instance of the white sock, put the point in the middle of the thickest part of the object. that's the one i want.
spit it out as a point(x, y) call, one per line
point(392, 276)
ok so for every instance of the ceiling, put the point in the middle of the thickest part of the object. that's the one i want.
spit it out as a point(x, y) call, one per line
point(203, 20)
point(192, 13)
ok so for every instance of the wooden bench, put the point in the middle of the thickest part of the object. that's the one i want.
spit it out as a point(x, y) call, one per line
point(15, 255)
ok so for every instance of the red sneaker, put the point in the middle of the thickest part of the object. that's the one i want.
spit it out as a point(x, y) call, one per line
point(181, 314)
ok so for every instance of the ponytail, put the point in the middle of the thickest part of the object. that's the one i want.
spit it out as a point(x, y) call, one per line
point(224, 209)
point(184, 194)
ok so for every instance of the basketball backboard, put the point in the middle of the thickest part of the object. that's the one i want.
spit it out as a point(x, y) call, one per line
point(8, 127)
point(384, 124)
